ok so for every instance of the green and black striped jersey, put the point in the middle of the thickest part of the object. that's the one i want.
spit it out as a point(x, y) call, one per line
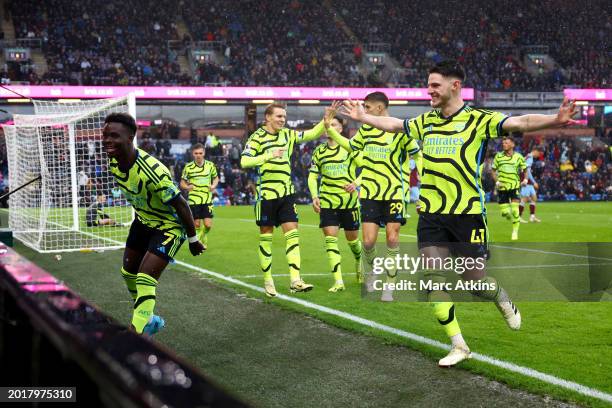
point(201, 177)
point(453, 153)
point(148, 186)
point(508, 170)
point(337, 168)
point(275, 174)
point(384, 172)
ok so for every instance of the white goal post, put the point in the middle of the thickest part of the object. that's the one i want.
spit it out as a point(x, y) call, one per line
point(76, 205)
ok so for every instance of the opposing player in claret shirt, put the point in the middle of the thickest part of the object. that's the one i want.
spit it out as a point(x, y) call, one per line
point(528, 191)
point(452, 211)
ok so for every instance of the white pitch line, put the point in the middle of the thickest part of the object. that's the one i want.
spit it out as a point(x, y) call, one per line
point(528, 372)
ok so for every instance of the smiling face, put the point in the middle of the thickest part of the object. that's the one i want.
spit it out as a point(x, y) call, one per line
point(276, 119)
point(441, 89)
point(117, 140)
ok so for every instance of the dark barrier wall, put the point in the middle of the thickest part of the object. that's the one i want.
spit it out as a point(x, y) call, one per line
point(51, 337)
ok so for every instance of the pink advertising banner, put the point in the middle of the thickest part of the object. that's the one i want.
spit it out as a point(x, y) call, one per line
point(589, 94)
point(228, 93)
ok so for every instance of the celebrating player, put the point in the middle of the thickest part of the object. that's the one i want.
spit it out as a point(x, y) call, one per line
point(162, 217)
point(454, 139)
point(269, 148)
point(200, 179)
point(335, 197)
point(385, 180)
point(510, 167)
point(528, 191)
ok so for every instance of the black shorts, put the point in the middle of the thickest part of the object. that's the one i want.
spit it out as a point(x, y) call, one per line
point(344, 218)
point(272, 213)
point(382, 212)
point(143, 238)
point(201, 211)
point(506, 196)
point(465, 234)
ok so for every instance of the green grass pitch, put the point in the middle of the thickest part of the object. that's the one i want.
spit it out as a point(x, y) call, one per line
point(572, 341)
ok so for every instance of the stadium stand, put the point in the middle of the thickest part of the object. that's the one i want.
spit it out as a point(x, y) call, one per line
point(81, 46)
point(490, 42)
point(44, 325)
point(294, 42)
point(286, 42)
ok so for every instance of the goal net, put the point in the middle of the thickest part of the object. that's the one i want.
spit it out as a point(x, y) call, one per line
point(75, 205)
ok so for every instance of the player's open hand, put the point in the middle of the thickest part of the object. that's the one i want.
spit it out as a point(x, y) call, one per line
point(316, 205)
point(349, 188)
point(352, 109)
point(196, 248)
point(524, 182)
point(566, 111)
point(330, 113)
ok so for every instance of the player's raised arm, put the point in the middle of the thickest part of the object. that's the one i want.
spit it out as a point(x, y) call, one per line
point(330, 113)
point(355, 111)
point(184, 214)
point(530, 123)
point(319, 129)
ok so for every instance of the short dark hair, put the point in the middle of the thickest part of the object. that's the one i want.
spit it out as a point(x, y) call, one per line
point(124, 118)
point(197, 146)
point(510, 138)
point(377, 97)
point(449, 68)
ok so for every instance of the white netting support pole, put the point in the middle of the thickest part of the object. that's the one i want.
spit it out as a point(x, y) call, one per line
point(77, 204)
point(131, 103)
point(73, 177)
point(45, 199)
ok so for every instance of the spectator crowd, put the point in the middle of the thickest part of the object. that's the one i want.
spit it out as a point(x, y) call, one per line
point(310, 43)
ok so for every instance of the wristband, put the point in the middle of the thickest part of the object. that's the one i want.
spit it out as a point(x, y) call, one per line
point(193, 239)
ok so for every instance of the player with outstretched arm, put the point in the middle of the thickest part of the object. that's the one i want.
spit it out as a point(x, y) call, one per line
point(452, 210)
point(269, 149)
point(385, 183)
